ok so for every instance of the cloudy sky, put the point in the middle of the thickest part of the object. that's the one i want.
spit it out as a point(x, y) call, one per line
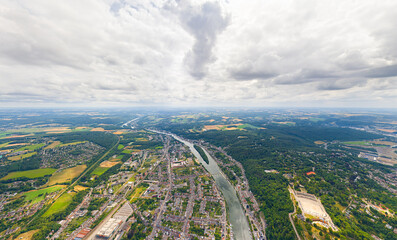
point(198, 53)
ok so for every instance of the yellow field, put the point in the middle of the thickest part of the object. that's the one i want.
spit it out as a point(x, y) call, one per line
point(59, 129)
point(53, 145)
point(376, 142)
point(98, 129)
point(79, 188)
point(22, 156)
point(66, 175)
point(27, 235)
point(222, 127)
point(109, 164)
point(17, 144)
point(319, 142)
point(18, 136)
point(386, 130)
point(118, 132)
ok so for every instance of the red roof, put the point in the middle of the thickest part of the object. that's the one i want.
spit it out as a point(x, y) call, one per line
point(310, 173)
point(82, 233)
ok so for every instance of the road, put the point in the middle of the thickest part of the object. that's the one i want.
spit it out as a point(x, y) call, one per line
point(290, 215)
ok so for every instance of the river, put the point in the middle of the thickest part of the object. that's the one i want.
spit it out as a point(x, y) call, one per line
point(237, 217)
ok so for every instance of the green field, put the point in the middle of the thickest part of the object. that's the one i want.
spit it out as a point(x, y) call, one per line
point(4, 144)
point(30, 147)
point(359, 143)
point(244, 126)
point(22, 156)
point(66, 175)
point(99, 171)
point(36, 173)
point(127, 151)
point(314, 119)
point(38, 195)
point(60, 204)
point(120, 146)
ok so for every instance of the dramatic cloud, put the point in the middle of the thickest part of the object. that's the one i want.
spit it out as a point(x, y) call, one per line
point(207, 52)
point(204, 21)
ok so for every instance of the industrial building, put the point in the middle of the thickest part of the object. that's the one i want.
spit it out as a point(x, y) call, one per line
point(109, 228)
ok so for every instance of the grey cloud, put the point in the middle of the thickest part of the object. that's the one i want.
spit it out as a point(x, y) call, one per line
point(339, 84)
point(352, 60)
point(204, 22)
point(306, 75)
point(247, 71)
point(249, 75)
point(381, 72)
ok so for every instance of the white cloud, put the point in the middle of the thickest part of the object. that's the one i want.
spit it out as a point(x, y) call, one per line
point(263, 53)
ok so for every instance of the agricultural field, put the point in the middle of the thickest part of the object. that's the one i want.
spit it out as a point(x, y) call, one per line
point(358, 143)
point(104, 166)
point(22, 156)
point(30, 147)
point(65, 175)
point(38, 195)
point(53, 145)
point(60, 204)
point(109, 164)
point(36, 173)
point(99, 171)
point(27, 235)
point(79, 188)
point(222, 127)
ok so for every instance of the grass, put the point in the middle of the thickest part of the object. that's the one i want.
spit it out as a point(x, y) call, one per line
point(99, 171)
point(359, 143)
point(127, 151)
point(27, 235)
point(53, 145)
point(36, 173)
point(65, 175)
point(120, 146)
point(60, 204)
point(314, 119)
point(4, 144)
point(79, 188)
point(30, 147)
point(247, 125)
point(137, 193)
point(22, 156)
point(38, 195)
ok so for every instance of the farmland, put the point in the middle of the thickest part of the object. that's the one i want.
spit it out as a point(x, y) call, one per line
point(27, 235)
point(99, 171)
point(36, 173)
point(22, 156)
point(53, 145)
point(38, 195)
point(31, 147)
point(66, 175)
point(60, 204)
